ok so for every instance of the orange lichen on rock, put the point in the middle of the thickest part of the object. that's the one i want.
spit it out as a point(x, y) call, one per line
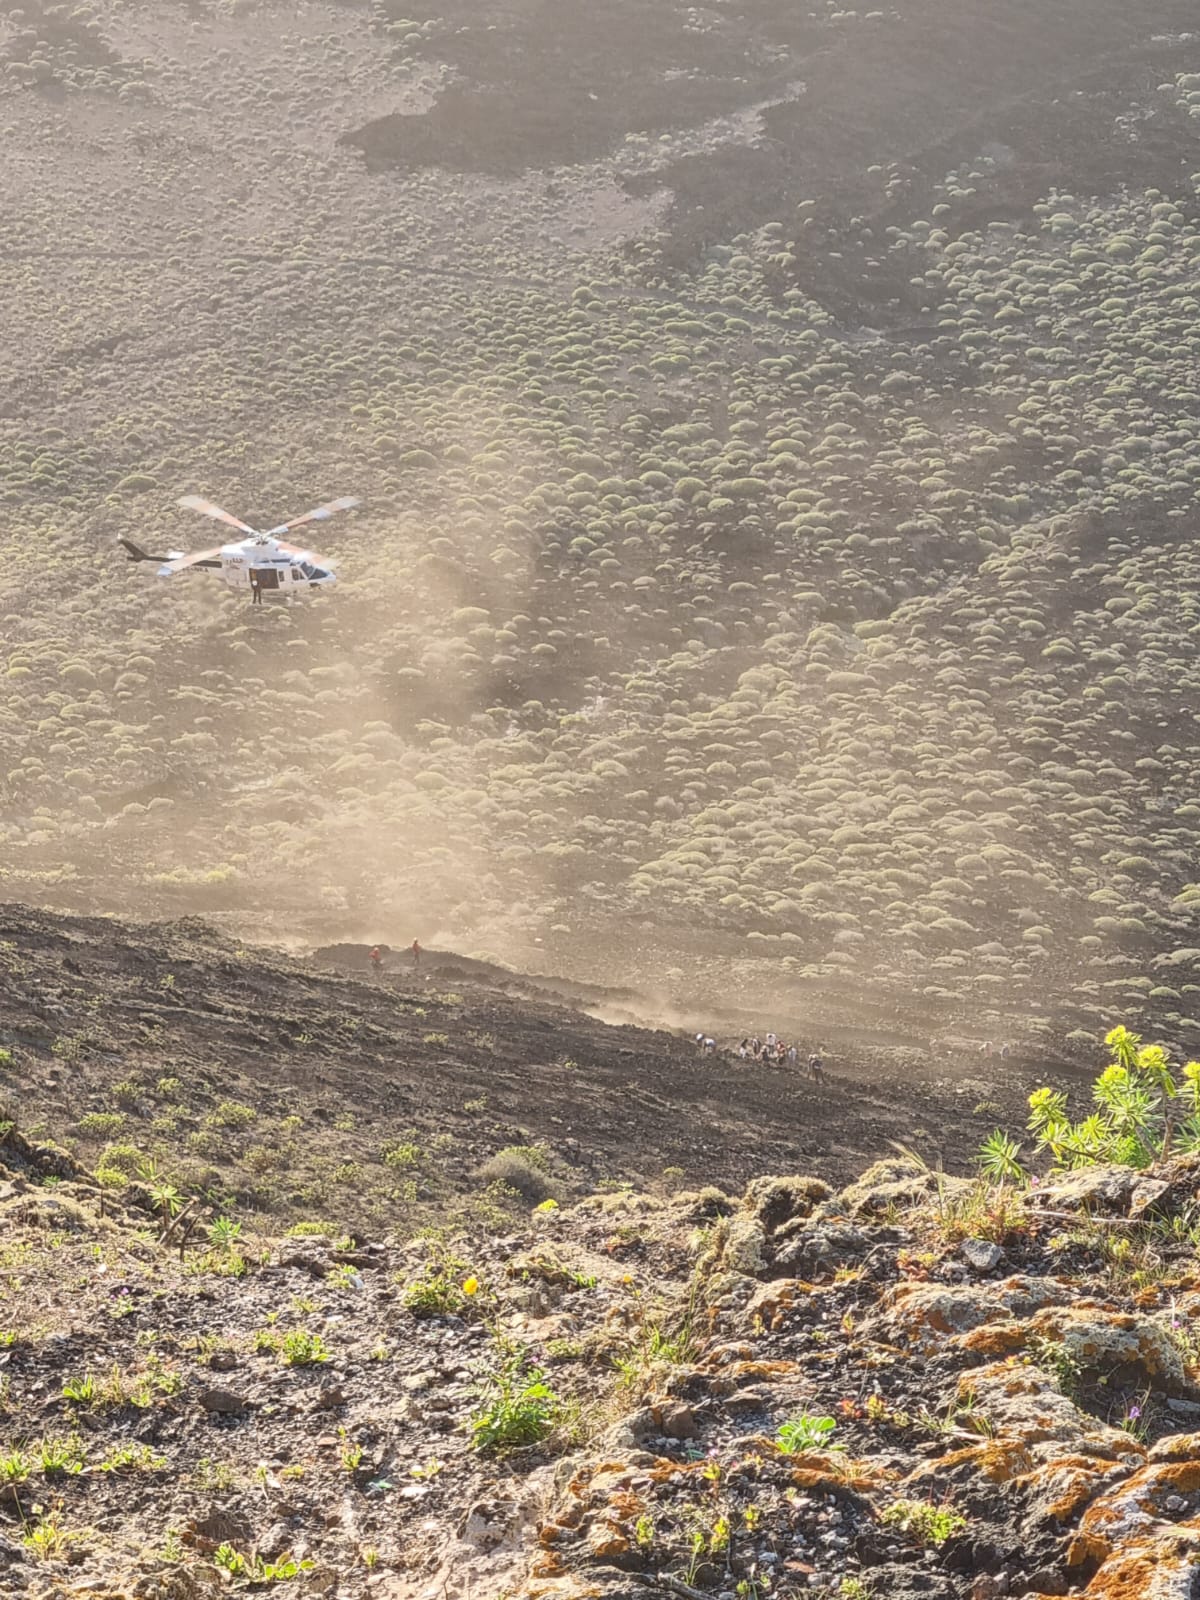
point(756, 1371)
point(828, 1474)
point(567, 1586)
point(627, 1504)
point(995, 1338)
point(1177, 1477)
point(1109, 1341)
point(1177, 1447)
point(997, 1460)
point(926, 1312)
point(1162, 1566)
point(546, 1565)
point(605, 1480)
point(1086, 1552)
point(586, 1476)
point(1130, 1509)
point(771, 1299)
point(1073, 1482)
point(1010, 1380)
point(604, 1540)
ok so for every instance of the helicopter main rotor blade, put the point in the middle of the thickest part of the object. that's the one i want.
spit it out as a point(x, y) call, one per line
point(194, 502)
point(180, 563)
point(318, 514)
point(314, 556)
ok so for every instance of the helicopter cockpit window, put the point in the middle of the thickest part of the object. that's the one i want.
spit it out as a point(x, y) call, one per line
point(308, 569)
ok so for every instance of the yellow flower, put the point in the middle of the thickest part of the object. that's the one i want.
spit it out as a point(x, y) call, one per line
point(471, 1286)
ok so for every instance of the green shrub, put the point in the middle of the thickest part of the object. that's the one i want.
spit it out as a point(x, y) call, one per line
point(804, 1433)
point(231, 1114)
point(123, 1158)
point(401, 1153)
point(517, 1408)
point(101, 1124)
point(1135, 1100)
point(923, 1521)
point(299, 1348)
point(522, 1168)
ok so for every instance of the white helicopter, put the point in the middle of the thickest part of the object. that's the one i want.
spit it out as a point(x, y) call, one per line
point(261, 562)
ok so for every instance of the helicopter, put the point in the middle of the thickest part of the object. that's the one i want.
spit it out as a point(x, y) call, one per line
point(261, 562)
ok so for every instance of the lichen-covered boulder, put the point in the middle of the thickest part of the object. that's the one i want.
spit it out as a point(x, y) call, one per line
point(815, 1249)
point(769, 1304)
point(1135, 1348)
point(1161, 1566)
point(924, 1315)
point(1176, 1447)
point(896, 1182)
point(1104, 1191)
point(1122, 1345)
point(745, 1246)
point(1062, 1489)
point(1022, 1403)
point(1164, 1491)
point(774, 1201)
point(1160, 1492)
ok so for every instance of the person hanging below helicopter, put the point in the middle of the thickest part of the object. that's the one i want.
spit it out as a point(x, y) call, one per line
point(255, 588)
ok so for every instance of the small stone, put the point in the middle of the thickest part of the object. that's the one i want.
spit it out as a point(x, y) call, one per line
point(222, 1402)
point(303, 1261)
point(221, 1527)
point(1046, 1581)
point(981, 1255)
point(679, 1422)
point(276, 1541)
point(330, 1398)
point(222, 1361)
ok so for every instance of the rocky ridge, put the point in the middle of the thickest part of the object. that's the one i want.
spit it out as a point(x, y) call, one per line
point(918, 1385)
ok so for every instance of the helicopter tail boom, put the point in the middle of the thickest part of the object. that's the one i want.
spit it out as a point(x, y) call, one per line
point(135, 551)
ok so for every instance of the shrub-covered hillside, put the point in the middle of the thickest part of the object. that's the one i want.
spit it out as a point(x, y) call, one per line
point(779, 486)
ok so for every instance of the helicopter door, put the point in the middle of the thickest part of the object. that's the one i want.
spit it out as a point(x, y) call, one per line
point(268, 578)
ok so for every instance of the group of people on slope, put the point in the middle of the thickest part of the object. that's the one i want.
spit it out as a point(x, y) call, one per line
point(771, 1050)
point(375, 956)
